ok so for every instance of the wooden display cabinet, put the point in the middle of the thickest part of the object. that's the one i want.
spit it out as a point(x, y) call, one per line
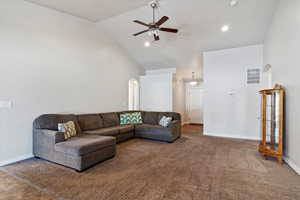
point(272, 123)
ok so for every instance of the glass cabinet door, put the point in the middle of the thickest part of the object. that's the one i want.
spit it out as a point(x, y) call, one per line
point(272, 114)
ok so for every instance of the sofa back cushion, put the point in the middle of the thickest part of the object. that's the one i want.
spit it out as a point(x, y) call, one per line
point(51, 121)
point(110, 119)
point(89, 122)
point(150, 118)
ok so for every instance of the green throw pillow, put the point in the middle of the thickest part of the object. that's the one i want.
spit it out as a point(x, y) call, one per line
point(125, 119)
point(136, 118)
point(131, 118)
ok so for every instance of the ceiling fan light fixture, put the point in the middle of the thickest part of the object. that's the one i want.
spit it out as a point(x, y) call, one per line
point(225, 28)
point(194, 81)
point(147, 44)
point(234, 3)
point(154, 27)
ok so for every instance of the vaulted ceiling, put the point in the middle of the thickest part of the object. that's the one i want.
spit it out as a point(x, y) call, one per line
point(198, 21)
point(92, 10)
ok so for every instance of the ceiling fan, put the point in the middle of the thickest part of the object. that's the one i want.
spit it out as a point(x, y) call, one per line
point(154, 27)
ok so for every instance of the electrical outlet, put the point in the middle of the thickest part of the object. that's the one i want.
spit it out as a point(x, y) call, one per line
point(5, 104)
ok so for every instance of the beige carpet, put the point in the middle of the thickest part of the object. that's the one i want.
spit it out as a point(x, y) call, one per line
point(193, 168)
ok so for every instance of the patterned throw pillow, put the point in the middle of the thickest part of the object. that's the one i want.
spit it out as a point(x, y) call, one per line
point(136, 118)
point(125, 119)
point(68, 129)
point(131, 118)
point(165, 121)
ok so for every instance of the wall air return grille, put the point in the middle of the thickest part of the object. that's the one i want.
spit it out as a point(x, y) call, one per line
point(253, 76)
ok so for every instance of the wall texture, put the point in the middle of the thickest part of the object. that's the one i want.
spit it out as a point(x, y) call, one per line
point(231, 107)
point(282, 47)
point(157, 92)
point(54, 63)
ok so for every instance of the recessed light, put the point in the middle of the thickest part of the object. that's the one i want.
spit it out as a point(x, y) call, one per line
point(225, 28)
point(147, 44)
point(234, 3)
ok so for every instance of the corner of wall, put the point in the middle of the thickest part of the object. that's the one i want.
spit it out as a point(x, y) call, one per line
point(292, 165)
point(16, 159)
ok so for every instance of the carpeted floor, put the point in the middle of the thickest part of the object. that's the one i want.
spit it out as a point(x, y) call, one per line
point(195, 167)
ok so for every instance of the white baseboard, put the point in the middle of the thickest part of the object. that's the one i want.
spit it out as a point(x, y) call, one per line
point(232, 136)
point(292, 165)
point(17, 159)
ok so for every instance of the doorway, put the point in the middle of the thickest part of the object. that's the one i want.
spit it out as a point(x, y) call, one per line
point(194, 104)
point(133, 95)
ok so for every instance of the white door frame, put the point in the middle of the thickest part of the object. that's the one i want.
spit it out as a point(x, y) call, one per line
point(187, 101)
point(133, 94)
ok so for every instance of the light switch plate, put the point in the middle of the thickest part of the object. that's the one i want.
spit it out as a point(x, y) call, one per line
point(5, 104)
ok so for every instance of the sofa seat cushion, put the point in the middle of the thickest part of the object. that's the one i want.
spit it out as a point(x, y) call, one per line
point(124, 136)
point(126, 128)
point(112, 131)
point(155, 132)
point(84, 144)
point(152, 129)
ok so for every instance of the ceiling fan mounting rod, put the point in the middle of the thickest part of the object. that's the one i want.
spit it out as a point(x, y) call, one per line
point(153, 5)
point(153, 15)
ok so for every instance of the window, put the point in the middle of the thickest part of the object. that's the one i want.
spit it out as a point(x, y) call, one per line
point(133, 95)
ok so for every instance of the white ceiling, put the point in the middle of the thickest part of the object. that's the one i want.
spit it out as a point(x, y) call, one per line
point(198, 21)
point(92, 10)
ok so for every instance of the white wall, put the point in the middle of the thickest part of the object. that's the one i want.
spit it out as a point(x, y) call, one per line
point(234, 115)
point(179, 97)
point(282, 47)
point(157, 91)
point(54, 63)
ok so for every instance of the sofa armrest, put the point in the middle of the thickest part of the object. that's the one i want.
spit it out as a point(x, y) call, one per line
point(173, 123)
point(175, 126)
point(44, 141)
point(50, 135)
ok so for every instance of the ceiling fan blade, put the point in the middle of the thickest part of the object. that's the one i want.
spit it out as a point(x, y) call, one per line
point(141, 23)
point(170, 30)
point(156, 37)
point(162, 20)
point(141, 32)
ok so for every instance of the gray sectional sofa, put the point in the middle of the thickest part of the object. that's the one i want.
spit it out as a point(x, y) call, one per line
point(97, 136)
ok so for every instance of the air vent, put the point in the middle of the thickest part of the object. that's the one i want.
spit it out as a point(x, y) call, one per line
point(253, 76)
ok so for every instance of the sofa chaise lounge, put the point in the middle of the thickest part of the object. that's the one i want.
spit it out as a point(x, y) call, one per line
point(97, 136)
